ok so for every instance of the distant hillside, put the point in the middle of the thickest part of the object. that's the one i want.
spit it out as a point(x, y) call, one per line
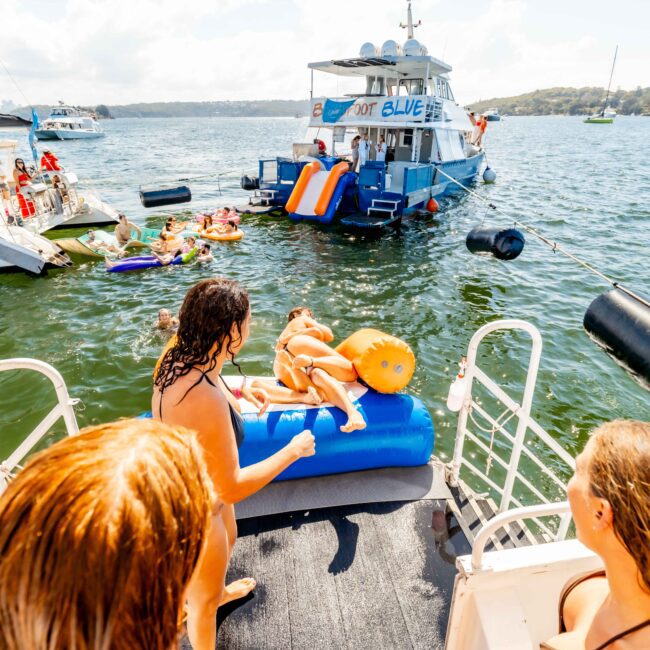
point(261, 108)
point(569, 101)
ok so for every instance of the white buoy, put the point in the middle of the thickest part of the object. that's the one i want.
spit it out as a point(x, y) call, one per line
point(489, 175)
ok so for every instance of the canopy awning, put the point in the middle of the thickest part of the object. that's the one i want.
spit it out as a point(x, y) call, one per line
point(390, 66)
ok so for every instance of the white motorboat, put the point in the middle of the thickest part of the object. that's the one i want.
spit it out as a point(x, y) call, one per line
point(492, 115)
point(68, 123)
point(28, 251)
point(52, 200)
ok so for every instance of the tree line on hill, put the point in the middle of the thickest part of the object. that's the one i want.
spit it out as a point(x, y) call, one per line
point(569, 101)
point(551, 101)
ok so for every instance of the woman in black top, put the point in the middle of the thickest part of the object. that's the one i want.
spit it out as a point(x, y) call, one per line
point(214, 323)
point(610, 502)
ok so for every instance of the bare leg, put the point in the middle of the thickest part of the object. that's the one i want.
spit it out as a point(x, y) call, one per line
point(326, 358)
point(337, 395)
point(238, 588)
point(284, 371)
point(281, 395)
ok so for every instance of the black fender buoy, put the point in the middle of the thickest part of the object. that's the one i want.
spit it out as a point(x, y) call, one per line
point(503, 243)
point(249, 183)
point(156, 198)
point(619, 322)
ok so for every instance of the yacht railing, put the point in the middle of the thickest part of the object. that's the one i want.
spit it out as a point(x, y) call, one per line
point(63, 409)
point(468, 429)
point(516, 514)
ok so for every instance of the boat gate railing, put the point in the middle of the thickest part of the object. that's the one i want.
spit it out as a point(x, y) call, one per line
point(64, 408)
point(484, 439)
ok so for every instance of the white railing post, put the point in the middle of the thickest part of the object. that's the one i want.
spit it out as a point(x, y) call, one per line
point(63, 409)
point(529, 512)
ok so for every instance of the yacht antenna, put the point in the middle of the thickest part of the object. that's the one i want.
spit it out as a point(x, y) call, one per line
point(409, 22)
point(611, 74)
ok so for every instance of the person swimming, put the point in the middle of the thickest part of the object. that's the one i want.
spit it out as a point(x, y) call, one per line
point(166, 321)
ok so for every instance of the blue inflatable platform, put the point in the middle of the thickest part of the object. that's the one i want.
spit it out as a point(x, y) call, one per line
point(399, 434)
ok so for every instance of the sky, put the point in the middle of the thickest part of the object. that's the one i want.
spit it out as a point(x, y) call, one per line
point(126, 51)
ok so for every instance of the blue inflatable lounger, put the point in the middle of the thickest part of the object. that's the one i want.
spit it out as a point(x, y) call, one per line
point(399, 433)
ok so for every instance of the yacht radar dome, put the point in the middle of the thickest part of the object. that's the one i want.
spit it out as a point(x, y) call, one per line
point(391, 48)
point(413, 47)
point(368, 51)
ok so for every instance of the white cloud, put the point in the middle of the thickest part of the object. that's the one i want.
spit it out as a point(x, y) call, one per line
point(121, 51)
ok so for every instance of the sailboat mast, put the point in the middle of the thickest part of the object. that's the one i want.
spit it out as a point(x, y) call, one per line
point(611, 74)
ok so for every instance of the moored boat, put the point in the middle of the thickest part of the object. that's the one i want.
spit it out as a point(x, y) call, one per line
point(69, 123)
point(418, 140)
point(50, 200)
point(492, 115)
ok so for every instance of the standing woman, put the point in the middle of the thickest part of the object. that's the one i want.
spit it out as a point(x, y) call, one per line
point(355, 152)
point(214, 323)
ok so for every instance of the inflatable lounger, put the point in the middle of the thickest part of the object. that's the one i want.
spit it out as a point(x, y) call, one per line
point(137, 263)
point(399, 433)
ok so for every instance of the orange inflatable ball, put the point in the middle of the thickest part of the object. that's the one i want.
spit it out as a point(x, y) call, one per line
point(384, 362)
point(433, 205)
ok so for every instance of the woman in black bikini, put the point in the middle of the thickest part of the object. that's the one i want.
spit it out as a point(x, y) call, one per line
point(610, 502)
point(213, 326)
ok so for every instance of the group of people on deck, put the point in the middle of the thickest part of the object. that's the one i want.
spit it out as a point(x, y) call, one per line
point(362, 149)
point(160, 494)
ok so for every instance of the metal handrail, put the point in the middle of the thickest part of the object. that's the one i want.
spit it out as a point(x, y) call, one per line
point(520, 411)
point(516, 514)
point(63, 409)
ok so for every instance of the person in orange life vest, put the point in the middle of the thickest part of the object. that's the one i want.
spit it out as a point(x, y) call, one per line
point(49, 162)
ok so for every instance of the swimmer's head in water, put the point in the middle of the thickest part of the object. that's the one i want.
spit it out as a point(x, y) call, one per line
point(206, 249)
point(191, 241)
point(299, 311)
point(164, 315)
point(121, 216)
point(232, 224)
point(214, 318)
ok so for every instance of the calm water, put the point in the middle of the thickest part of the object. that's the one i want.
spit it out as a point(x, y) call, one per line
point(587, 186)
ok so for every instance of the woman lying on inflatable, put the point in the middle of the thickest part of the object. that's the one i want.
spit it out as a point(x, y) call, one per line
point(305, 363)
point(182, 255)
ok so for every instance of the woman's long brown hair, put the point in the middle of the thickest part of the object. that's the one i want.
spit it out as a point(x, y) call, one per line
point(211, 311)
point(99, 537)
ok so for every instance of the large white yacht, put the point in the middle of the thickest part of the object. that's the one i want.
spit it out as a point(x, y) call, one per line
point(69, 123)
point(50, 203)
point(404, 104)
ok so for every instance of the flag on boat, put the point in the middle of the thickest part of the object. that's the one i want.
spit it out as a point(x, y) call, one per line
point(333, 111)
point(32, 133)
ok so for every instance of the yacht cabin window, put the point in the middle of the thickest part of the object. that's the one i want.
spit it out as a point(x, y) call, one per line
point(441, 88)
point(411, 87)
point(406, 138)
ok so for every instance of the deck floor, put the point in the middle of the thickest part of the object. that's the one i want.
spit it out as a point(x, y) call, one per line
point(362, 576)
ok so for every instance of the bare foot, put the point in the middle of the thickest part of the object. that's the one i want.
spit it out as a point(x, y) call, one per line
point(236, 590)
point(312, 396)
point(354, 423)
point(302, 361)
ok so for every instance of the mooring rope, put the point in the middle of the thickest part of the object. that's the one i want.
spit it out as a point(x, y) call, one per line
point(550, 243)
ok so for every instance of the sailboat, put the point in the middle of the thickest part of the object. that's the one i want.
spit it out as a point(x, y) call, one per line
point(607, 115)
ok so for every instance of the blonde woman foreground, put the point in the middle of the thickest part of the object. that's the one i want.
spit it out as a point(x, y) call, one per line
point(99, 537)
point(214, 323)
point(610, 502)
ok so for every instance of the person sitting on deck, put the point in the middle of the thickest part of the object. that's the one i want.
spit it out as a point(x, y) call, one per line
point(609, 495)
point(124, 229)
point(303, 360)
point(49, 162)
point(60, 188)
point(100, 535)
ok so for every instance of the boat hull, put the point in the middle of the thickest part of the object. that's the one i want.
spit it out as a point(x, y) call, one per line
point(62, 134)
point(599, 120)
